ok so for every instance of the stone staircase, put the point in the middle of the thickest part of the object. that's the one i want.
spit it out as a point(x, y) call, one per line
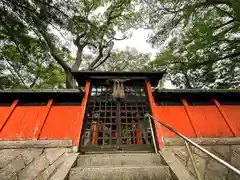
point(124, 166)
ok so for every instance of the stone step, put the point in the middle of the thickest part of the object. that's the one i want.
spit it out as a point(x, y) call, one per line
point(119, 159)
point(120, 173)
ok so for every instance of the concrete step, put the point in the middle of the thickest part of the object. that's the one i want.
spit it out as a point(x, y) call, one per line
point(119, 159)
point(120, 173)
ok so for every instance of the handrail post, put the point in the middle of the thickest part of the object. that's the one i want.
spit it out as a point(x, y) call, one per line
point(193, 161)
point(224, 163)
point(153, 137)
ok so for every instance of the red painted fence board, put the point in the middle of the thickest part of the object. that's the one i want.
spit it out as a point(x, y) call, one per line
point(209, 122)
point(175, 116)
point(43, 122)
point(65, 122)
point(61, 123)
point(233, 114)
point(3, 113)
point(22, 123)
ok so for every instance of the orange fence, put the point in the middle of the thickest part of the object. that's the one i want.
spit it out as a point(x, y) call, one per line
point(65, 122)
point(43, 122)
point(213, 120)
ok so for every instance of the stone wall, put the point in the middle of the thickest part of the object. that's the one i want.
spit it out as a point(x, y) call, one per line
point(208, 168)
point(35, 160)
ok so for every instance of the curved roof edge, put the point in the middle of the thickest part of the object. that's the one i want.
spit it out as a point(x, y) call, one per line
point(82, 76)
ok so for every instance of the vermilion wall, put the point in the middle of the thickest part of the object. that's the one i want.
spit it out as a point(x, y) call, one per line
point(195, 121)
point(65, 122)
point(43, 122)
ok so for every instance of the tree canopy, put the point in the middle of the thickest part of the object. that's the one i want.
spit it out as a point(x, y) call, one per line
point(42, 41)
point(201, 41)
point(32, 23)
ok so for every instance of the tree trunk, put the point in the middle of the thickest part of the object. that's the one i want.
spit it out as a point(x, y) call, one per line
point(187, 82)
point(70, 81)
point(78, 60)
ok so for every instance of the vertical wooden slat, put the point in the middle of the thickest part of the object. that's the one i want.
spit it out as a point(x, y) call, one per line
point(185, 104)
point(138, 134)
point(94, 130)
point(228, 122)
point(45, 115)
point(12, 107)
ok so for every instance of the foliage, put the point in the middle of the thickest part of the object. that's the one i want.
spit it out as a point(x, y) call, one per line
point(202, 38)
point(127, 60)
point(199, 40)
point(24, 23)
point(36, 70)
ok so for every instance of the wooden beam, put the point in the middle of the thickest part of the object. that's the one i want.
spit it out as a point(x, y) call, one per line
point(11, 109)
point(35, 144)
point(48, 107)
point(228, 122)
point(185, 104)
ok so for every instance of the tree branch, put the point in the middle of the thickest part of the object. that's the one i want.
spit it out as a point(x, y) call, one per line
point(224, 24)
point(35, 79)
point(18, 74)
point(119, 39)
point(226, 13)
point(235, 54)
point(100, 55)
point(104, 60)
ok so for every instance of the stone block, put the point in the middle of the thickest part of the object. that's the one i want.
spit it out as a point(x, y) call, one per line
point(201, 165)
point(182, 154)
point(216, 170)
point(235, 158)
point(224, 152)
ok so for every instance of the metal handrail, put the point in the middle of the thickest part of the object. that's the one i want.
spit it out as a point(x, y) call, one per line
point(224, 163)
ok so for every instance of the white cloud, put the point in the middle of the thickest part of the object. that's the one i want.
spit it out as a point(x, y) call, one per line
point(138, 40)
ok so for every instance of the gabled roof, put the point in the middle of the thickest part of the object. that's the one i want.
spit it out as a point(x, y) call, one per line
point(82, 76)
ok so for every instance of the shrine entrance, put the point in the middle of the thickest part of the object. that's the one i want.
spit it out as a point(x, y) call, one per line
point(117, 124)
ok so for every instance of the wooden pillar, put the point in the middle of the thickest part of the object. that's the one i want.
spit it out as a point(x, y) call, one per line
point(77, 137)
point(159, 135)
point(228, 122)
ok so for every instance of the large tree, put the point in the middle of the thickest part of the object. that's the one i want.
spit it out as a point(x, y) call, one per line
point(126, 60)
point(201, 41)
point(90, 24)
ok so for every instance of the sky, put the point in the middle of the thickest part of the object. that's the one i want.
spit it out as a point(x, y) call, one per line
point(138, 40)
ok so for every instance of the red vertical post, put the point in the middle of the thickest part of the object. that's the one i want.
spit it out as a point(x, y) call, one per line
point(11, 109)
point(228, 122)
point(83, 109)
point(185, 104)
point(155, 114)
